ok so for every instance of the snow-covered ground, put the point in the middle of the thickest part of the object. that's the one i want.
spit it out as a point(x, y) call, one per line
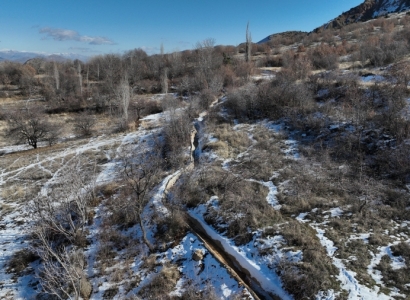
point(244, 255)
point(348, 279)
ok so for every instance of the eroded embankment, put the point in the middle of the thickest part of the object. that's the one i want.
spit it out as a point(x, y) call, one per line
point(256, 282)
point(242, 270)
point(224, 258)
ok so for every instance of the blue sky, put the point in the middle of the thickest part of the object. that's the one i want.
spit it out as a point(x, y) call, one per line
point(91, 27)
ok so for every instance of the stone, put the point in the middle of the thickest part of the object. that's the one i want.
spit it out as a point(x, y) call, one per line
point(198, 255)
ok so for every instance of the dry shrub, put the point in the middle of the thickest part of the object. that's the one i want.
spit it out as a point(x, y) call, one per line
point(177, 135)
point(35, 173)
point(324, 57)
point(13, 193)
point(230, 142)
point(109, 235)
point(85, 288)
point(117, 275)
point(378, 239)
point(206, 97)
point(192, 292)
point(402, 249)
point(298, 66)
point(228, 75)
point(263, 159)
point(262, 134)
point(172, 227)
point(150, 262)
point(242, 205)
point(243, 70)
point(190, 190)
point(309, 187)
point(301, 279)
point(395, 163)
point(111, 241)
point(394, 278)
point(283, 97)
point(162, 283)
point(110, 293)
point(109, 189)
point(122, 212)
point(20, 260)
point(5, 209)
point(219, 147)
point(358, 249)
point(235, 138)
point(84, 123)
point(132, 284)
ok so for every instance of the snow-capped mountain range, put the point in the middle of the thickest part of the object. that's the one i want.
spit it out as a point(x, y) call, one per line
point(23, 56)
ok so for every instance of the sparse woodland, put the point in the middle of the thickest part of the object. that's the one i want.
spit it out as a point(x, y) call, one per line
point(295, 153)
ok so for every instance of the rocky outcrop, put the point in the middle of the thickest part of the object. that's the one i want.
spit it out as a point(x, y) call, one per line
point(367, 10)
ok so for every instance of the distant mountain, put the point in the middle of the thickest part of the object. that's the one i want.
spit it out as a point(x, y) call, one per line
point(367, 10)
point(23, 56)
point(285, 35)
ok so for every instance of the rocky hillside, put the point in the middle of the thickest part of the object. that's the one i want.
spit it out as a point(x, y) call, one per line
point(285, 35)
point(367, 10)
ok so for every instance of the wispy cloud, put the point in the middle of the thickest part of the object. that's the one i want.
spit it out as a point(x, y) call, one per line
point(59, 34)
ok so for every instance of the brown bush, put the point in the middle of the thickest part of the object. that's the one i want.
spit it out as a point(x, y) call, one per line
point(162, 283)
point(20, 261)
point(84, 123)
point(206, 97)
point(324, 57)
point(177, 134)
point(173, 227)
point(301, 279)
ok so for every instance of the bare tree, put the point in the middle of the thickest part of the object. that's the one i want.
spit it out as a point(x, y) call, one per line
point(162, 52)
point(207, 62)
point(61, 273)
point(60, 216)
point(80, 77)
point(29, 125)
point(248, 45)
point(65, 210)
point(164, 80)
point(141, 174)
point(56, 76)
point(84, 123)
point(124, 96)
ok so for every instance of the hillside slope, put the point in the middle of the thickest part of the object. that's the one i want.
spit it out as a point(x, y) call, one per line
point(367, 10)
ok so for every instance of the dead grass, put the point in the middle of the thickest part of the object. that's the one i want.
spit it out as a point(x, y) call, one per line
point(150, 262)
point(109, 189)
point(221, 148)
point(110, 293)
point(394, 278)
point(162, 283)
point(301, 279)
point(230, 142)
point(13, 193)
point(172, 228)
point(20, 261)
point(5, 209)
